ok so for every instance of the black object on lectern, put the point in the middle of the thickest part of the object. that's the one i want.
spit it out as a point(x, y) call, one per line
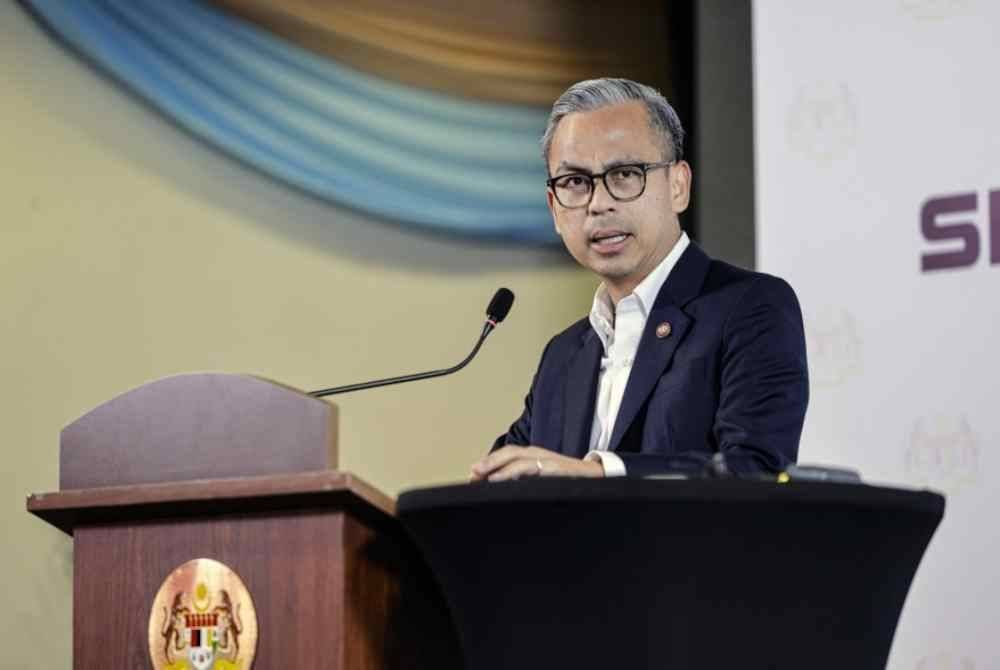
point(715, 574)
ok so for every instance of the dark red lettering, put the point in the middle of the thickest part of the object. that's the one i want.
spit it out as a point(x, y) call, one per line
point(995, 227)
point(965, 231)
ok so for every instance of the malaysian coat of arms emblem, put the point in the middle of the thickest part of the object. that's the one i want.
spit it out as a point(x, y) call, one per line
point(202, 619)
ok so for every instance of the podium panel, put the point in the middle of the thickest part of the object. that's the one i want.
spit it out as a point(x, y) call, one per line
point(334, 581)
point(626, 573)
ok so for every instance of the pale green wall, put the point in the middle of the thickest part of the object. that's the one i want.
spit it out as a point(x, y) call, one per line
point(130, 251)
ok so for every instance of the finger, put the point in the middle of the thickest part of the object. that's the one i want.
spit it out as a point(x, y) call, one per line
point(524, 467)
point(476, 476)
point(505, 455)
point(496, 460)
point(548, 467)
point(512, 471)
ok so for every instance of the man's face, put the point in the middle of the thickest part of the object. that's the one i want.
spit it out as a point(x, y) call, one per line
point(620, 241)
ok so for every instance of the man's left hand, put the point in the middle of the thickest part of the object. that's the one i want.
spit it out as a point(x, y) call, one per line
point(512, 462)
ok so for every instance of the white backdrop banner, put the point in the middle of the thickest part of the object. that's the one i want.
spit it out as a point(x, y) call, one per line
point(878, 198)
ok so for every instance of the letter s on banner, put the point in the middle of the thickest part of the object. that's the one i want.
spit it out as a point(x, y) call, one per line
point(936, 231)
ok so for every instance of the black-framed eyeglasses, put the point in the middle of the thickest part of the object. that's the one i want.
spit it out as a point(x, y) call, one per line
point(623, 182)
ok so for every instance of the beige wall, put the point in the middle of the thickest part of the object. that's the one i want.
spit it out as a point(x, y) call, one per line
point(130, 251)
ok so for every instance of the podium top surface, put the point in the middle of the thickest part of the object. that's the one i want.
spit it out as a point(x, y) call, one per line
point(628, 490)
point(116, 504)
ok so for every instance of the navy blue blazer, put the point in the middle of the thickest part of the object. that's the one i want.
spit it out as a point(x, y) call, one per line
point(731, 377)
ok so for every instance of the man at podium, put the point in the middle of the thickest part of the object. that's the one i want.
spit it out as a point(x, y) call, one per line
point(682, 356)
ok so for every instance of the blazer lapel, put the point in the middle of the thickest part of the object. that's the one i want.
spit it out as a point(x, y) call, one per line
point(581, 394)
point(655, 352)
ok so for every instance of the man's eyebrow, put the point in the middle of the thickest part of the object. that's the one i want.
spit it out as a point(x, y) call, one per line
point(610, 165)
point(628, 160)
point(570, 169)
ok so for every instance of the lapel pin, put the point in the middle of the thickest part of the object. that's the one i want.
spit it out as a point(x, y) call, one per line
point(663, 330)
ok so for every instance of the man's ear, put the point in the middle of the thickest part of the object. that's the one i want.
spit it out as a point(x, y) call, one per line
point(680, 186)
point(550, 199)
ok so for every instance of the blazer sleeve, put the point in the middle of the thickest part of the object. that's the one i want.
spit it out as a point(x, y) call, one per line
point(763, 389)
point(764, 386)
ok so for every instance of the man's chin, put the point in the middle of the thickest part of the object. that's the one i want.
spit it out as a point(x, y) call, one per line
point(612, 270)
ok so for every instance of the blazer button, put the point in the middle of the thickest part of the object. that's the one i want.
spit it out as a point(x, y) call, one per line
point(663, 330)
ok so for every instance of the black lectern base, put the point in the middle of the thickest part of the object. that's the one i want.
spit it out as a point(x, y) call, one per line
point(626, 573)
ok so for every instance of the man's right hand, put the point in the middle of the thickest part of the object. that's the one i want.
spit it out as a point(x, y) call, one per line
point(512, 462)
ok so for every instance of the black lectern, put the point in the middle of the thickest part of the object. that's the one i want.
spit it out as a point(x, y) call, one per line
point(716, 574)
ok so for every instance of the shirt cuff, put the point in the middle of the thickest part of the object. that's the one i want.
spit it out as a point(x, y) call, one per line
point(612, 463)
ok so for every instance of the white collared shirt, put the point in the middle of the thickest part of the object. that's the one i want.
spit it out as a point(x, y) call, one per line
point(620, 328)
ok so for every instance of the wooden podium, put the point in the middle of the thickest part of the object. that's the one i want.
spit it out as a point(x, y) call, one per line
point(242, 471)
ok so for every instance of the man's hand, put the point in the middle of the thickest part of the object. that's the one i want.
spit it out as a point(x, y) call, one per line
point(515, 462)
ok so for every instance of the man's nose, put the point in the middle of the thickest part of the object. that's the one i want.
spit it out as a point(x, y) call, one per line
point(601, 202)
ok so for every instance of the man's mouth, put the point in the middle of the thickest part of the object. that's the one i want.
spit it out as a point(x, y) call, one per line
point(608, 239)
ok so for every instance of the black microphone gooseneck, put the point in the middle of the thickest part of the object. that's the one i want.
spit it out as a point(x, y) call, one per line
point(495, 313)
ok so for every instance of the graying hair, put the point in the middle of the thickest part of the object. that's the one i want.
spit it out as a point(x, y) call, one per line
point(592, 94)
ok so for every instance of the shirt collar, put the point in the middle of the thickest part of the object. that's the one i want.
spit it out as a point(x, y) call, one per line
point(602, 313)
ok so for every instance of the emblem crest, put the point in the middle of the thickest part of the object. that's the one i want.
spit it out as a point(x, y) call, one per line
point(943, 452)
point(202, 619)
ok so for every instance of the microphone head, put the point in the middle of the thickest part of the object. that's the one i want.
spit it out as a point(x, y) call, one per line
point(500, 305)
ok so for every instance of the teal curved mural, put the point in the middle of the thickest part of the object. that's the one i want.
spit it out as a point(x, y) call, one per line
point(417, 157)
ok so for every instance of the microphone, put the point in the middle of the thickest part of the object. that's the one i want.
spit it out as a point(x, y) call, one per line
point(496, 312)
